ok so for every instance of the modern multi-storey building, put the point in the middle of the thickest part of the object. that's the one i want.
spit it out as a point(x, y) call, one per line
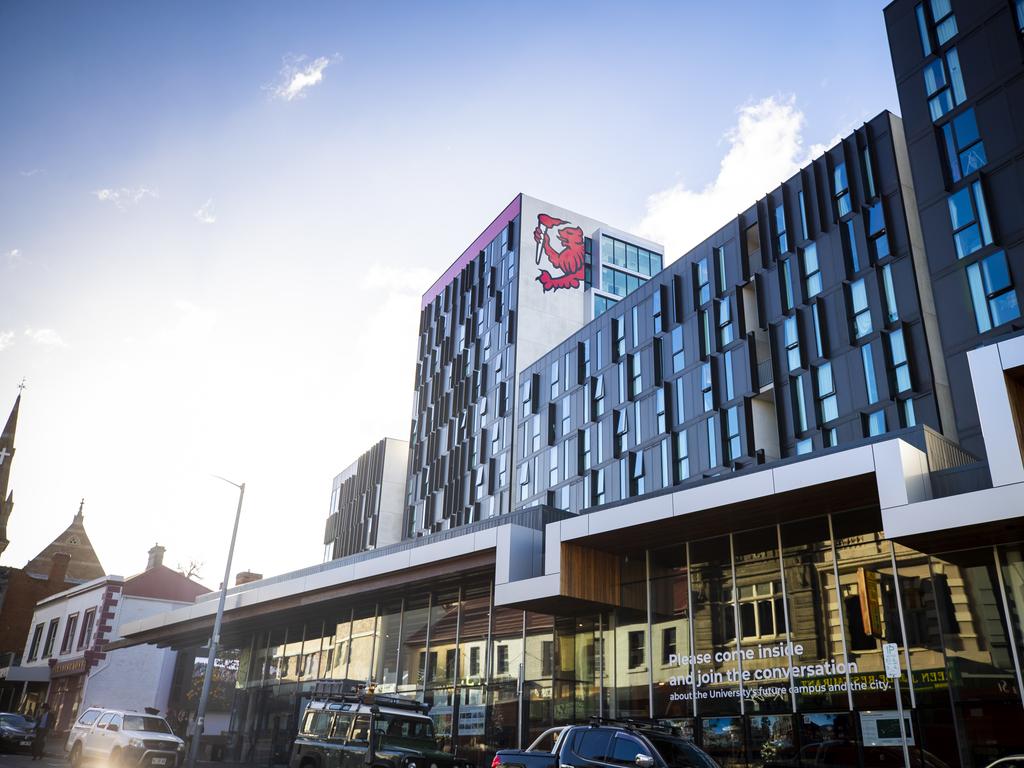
point(805, 323)
point(729, 490)
point(367, 500)
point(535, 275)
point(959, 70)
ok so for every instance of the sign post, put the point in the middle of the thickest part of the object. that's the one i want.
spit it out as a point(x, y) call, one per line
point(891, 655)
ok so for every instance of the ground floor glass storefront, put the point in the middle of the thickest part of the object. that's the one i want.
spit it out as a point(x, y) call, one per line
point(763, 646)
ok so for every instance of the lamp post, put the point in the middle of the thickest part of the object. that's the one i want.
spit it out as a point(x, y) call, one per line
point(215, 637)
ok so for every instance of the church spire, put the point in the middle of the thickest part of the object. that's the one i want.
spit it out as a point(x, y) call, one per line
point(6, 458)
point(79, 518)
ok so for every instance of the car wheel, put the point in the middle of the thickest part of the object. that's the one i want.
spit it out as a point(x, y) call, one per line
point(76, 755)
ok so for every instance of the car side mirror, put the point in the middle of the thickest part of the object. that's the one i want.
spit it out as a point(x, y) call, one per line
point(113, 727)
point(644, 761)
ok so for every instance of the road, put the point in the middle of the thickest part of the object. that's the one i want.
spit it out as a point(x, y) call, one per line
point(54, 759)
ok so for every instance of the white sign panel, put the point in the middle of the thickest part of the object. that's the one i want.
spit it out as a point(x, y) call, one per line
point(891, 654)
point(882, 729)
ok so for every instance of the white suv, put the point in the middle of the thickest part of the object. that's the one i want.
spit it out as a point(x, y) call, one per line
point(125, 739)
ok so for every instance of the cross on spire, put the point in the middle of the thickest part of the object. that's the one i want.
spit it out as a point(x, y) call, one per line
point(81, 504)
point(23, 386)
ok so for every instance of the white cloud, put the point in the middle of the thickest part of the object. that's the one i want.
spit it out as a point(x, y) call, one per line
point(296, 76)
point(14, 257)
point(6, 339)
point(765, 148)
point(46, 337)
point(205, 213)
point(32, 172)
point(122, 197)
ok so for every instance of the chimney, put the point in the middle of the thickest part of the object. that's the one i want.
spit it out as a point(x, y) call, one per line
point(156, 557)
point(59, 568)
point(244, 577)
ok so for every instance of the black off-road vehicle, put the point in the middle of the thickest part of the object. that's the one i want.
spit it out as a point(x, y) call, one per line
point(356, 729)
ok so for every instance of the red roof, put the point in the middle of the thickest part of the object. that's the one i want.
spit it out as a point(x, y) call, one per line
point(163, 583)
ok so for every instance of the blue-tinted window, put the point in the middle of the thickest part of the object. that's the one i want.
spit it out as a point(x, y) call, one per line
point(922, 28)
point(819, 331)
point(707, 392)
point(632, 262)
point(861, 312)
point(869, 373)
point(875, 423)
point(1020, 14)
point(799, 409)
point(678, 353)
point(944, 84)
point(869, 173)
point(712, 444)
point(682, 457)
point(943, 20)
point(841, 190)
point(878, 240)
point(804, 232)
point(907, 415)
point(992, 292)
point(703, 282)
point(828, 403)
point(891, 311)
point(965, 151)
point(969, 218)
point(899, 361)
point(732, 433)
point(850, 247)
point(719, 257)
point(786, 284)
point(804, 446)
point(781, 240)
point(726, 329)
point(791, 337)
point(812, 271)
point(727, 364)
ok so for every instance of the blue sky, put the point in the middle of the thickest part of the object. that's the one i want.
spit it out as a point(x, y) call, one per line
point(198, 274)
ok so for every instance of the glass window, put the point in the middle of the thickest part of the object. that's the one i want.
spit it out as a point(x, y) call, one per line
point(875, 423)
point(922, 28)
point(992, 292)
point(703, 282)
point(869, 373)
point(969, 218)
point(634, 326)
point(819, 330)
point(727, 365)
point(726, 331)
point(637, 486)
point(786, 284)
point(841, 190)
point(944, 21)
point(636, 380)
point(781, 240)
point(965, 151)
point(812, 271)
point(791, 337)
point(878, 241)
point(850, 247)
point(719, 256)
point(678, 353)
point(804, 232)
point(621, 432)
point(707, 392)
point(554, 379)
point(592, 743)
point(944, 85)
point(1020, 14)
point(732, 433)
point(860, 310)
point(799, 407)
point(712, 443)
point(891, 311)
point(597, 401)
point(898, 360)
point(656, 312)
point(828, 402)
point(626, 748)
point(659, 409)
point(682, 456)
point(869, 174)
point(705, 332)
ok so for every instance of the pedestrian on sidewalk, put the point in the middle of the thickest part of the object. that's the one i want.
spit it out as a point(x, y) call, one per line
point(42, 730)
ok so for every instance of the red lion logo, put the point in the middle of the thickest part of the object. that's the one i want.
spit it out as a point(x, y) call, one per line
point(569, 259)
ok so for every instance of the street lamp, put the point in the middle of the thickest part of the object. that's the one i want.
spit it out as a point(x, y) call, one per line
point(215, 637)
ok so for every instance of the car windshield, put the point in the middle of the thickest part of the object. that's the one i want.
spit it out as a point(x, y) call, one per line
point(678, 753)
point(16, 721)
point(140, 723)
point(405, 729)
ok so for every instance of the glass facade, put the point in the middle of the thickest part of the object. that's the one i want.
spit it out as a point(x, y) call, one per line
point(764, 646)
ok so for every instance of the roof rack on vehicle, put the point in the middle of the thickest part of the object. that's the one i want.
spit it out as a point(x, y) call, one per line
point(359, 693)
point(634, 723)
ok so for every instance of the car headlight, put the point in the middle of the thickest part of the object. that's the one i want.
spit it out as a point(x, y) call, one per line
point(411, 764)
point(136, 743)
